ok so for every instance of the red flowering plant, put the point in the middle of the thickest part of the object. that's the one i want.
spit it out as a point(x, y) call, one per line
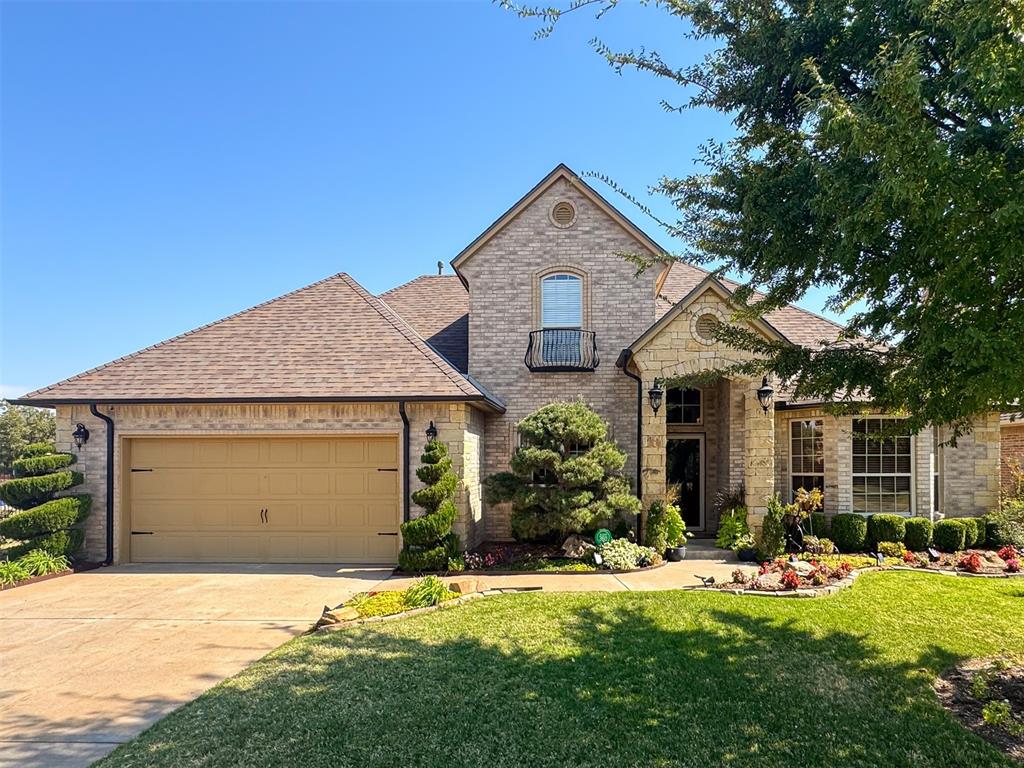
point(1008, 553)
point(790, 579)
point(1013, 565)
point(739, 576)
point(970, 562)
point(843, 569)
point(909, 557)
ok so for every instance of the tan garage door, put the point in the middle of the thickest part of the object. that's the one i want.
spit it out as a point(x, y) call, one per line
point(264, 500)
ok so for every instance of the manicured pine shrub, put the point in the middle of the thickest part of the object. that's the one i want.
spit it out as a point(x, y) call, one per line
point(919, 534)
point(850, 532)
point(44, 523)
point(949, 535)
point(428, 541)
point(566, 476)
point(886, 528)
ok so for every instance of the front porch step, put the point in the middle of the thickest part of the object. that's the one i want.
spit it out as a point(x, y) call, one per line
point(705, 549)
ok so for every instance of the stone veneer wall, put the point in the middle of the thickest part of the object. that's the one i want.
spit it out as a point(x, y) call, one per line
point(676, 351)
point(504, 277)
point(1011, 435)
point(458, 425)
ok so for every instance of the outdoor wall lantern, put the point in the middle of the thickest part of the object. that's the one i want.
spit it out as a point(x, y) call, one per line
point(431, 432)
point(765, 394)
point(656, 394)
point(81, 435)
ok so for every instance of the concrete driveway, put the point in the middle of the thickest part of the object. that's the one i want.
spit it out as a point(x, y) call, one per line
point(90, 660)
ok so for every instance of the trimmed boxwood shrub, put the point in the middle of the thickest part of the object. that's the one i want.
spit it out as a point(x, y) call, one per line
point(949, 535)
point(36, 449)
point(886, 528)
point(23, 492)
point(974, 532)
point(46, 518)
point(41, 465)
point(850, 532)
point(65, 543)
point(919, 533)
point(820, 525)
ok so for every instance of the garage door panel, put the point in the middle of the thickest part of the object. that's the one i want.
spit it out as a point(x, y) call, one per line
point(325, 501)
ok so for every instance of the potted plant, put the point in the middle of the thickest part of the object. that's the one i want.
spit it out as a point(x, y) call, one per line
point(745, 549)
point(666, 532)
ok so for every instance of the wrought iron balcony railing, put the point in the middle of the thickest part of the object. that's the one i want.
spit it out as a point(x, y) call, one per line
point(562, 349)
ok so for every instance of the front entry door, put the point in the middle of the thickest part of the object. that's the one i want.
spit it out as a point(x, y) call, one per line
point(684, 467)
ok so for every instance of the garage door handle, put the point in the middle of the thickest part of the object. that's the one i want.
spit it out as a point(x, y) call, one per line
point(386, 533)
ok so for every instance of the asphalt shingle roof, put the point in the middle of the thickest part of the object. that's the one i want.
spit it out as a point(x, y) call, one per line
point(329, 340)
point(437, 306)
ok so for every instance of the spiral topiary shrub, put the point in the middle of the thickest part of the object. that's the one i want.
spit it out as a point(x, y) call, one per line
point(949, 535)
point(428, 541)
point(44, 522)
point(919, 533)
point(850, 532)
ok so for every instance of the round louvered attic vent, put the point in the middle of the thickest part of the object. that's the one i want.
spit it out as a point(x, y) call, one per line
point(706, 326)
point(563, 214)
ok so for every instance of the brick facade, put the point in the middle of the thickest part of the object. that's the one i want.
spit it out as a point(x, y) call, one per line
point(458, 425)
point(1012, 452)
point(504, 277)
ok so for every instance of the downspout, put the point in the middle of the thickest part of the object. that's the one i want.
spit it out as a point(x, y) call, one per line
point(110, 482)
point(405, 456)
point(626, 357)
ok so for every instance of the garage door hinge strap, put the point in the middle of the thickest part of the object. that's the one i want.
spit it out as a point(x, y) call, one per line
point(387, 469)
point(142, 533)
point(141, 470)
point(386, 533)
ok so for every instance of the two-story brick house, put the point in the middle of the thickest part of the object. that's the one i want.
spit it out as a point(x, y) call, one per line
point(289, 432)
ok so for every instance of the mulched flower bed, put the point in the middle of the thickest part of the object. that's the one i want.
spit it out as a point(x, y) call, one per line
point(784, 574)
point(522, 558)
point(987, 696)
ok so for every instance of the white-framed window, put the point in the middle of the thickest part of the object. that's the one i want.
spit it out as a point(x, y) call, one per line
point(806, 455)
point(683, 406)
point(883, 467)
point(561, 301)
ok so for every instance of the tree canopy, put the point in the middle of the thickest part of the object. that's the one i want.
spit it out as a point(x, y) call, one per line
point(878, 154)
point(21, 425)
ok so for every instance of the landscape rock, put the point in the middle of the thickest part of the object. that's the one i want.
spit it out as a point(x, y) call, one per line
point(342, 614)
point(577, 547)
point(464, 586)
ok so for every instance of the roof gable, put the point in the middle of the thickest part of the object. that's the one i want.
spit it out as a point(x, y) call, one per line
point(328, 341)
point(560, 172)
point(709, 284)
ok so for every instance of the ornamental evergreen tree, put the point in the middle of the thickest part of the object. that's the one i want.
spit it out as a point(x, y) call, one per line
point(429, 541)
point(44, 522)
point(566, 476)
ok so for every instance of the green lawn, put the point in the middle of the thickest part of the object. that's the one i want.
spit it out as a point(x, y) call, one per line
point(644, 679)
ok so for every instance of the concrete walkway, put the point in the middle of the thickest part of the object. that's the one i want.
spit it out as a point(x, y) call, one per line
point(90, 660)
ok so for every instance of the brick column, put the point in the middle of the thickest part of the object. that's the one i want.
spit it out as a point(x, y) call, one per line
point(759, 454)
point(654, 444)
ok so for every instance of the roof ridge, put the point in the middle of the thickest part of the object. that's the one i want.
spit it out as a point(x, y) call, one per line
point(410, 334)
point(183, 335)
point(407, 283)
point(734, 282)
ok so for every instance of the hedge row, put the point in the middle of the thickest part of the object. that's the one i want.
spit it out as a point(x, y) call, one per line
point(41, 465)
point(23, 492)
point(857, 533)
point(48, 517)
point(65, 543)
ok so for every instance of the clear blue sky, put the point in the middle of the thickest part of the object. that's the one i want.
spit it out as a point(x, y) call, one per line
point(166, 164)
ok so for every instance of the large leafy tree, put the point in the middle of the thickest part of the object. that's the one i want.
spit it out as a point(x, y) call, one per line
point(879, 153)
point(21, 425)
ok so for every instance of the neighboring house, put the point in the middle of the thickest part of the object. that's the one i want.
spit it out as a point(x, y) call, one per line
point(290, 432)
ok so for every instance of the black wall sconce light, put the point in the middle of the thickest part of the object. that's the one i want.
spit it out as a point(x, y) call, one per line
point(431, 432)
point(80, 435)
point(655, 395)
point(765, 393)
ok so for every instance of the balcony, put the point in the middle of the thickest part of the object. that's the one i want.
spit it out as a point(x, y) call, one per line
point(562, 349)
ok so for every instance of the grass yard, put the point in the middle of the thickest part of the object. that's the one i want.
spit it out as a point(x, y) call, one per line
point(624, 679)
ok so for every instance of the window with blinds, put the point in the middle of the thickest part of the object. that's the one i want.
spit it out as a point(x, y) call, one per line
point(562, 301)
